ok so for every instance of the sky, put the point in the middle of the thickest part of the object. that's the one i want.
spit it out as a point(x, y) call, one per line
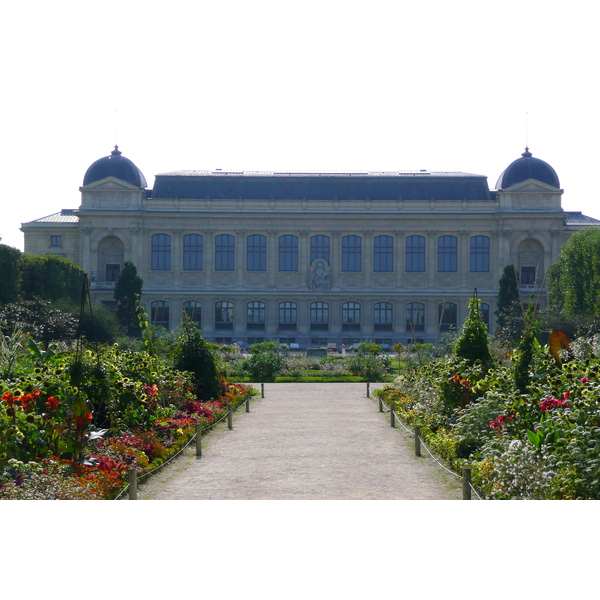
point(317, 86)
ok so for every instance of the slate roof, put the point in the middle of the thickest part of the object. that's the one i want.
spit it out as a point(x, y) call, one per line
point(66, 215)
point(413, 185)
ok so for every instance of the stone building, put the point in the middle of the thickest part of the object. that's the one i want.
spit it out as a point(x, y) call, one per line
point(313, 258)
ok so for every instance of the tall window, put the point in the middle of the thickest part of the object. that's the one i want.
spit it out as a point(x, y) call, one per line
point(415, 316)
point(447, 253)
point(383, 260)
point(255, 316)
point(159, 313)
point(223, 316)
point(415, 253)
point(161, 252)
point(480, 253)
point(224, 252)
point(319, 316)
point(527, 275)
point(319, 247)
point(288, 314)
point(288, 253)
point(383, 316)
point(447, 316)
point(192, 252)
point(256, 253)
point(112, 271)
point(351, 253)
point(193, 311)
point(351, 316)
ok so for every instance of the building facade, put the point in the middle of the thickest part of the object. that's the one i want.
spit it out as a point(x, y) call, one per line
point(313, 258)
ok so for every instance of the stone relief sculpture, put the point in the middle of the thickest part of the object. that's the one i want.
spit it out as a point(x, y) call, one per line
point(319, 275)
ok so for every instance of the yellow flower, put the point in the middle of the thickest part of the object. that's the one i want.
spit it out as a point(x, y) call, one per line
point(180, 431)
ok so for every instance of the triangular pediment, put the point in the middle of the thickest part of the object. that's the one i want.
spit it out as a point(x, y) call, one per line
point(531, 186)
point(109, 184)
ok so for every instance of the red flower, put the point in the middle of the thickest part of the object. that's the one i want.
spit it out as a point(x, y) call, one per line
point(53, 403)
point(584, 380)
point(550, 403)
point(83, 422)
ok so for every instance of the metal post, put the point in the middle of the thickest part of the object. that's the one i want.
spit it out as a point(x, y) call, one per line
point(230, 418)
point(132, 484)
point(368, 390)
point(198, 440)
point(248, 403)
point(466, 484)
point(380, 404)
point(417, 441)
point(392, 416)
point(262, 390)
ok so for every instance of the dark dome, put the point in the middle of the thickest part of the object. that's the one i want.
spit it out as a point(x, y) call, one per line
point(526, 168)
point(115, 165)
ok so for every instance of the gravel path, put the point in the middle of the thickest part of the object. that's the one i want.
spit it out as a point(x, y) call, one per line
point(305, 442)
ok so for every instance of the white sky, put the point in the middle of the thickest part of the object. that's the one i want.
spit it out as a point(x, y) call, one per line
point(275, 85)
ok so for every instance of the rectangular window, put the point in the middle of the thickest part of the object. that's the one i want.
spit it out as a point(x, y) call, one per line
point(255, 320)
point(223, 316)
point(415, 254)
point(192, 252)
point(161, 252)
point(288, 314)
point(447, 254)
point(383, 260)
point(527, 275)
point(288, 253)
point(319, 316)
point(224, 252)
point(112, 272)
point(351, 316)
point(160, 313)
point(256, 253)
point(480, 254)
point(383, 316)
point(319, 248)
point(56, 240)
point(351, 253)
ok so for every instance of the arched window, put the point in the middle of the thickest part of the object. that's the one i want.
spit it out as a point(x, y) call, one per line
point(256, 253)
point(383, 258)
point(288, 253)
point(415, 316)
point(447, 254)
point(224, 252)
point(415, 254)
point(255, 316)
point(288, 314)
point(192, 252)
point(383, 316)
point(351, 316)
point(159, 313)
point(319, 247)
point(480, 254)
point(193, 311)
point(351, 253)
point(447, 316)
point(223, 316)
point(161, 252)
point(319, 316)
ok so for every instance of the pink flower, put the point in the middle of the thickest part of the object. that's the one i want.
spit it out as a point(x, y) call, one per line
point(584, 380)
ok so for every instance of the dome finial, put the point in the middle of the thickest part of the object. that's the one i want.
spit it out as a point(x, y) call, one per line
point(116, 151)
point(527, 154)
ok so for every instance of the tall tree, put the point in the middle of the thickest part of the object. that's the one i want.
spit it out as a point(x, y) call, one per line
point(472, 342)
point(574, 281)
point(50, 277)
point(509, 314)
point(128, 288)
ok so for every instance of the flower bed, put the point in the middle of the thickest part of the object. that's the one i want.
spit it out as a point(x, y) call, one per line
point(543, 443)
point(72, 427)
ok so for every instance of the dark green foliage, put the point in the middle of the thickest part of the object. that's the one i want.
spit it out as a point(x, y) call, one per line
point(194, 354)
point(509, 314)
point(369, 348)
point(101, 325)
point(264, 365)
point(574, 281)
point(524, 355)
point(472, 342)
point(39, 319)
point(263, 347)
point(50, 277)
point(128, 288)
point(9, 274)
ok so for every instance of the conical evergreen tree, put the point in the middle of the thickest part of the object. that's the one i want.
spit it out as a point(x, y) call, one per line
point(509, 322)
point(472, 342)
point(128, 288)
